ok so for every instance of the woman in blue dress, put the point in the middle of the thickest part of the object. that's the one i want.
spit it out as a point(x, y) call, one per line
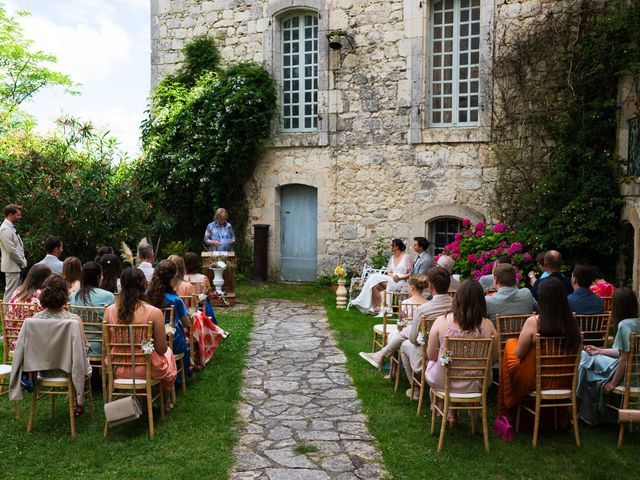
point(602, 369)
point(162, 295)
point(219, 236)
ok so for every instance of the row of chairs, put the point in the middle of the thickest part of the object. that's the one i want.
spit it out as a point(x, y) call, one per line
point(472, 360)
point(96, 333)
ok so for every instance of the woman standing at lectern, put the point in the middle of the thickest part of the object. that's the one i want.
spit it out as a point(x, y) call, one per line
point(219, 236)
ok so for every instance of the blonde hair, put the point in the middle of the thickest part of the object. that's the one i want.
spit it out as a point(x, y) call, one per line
point(221, 214)
point(419, 282)
point(180, 270)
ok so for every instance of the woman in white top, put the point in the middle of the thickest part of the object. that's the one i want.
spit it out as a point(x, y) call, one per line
point(399, 270)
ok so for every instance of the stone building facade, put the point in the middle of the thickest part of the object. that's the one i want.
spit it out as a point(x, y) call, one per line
point(397, 143)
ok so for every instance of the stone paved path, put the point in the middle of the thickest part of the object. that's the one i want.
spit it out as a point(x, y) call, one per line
point(297, 392)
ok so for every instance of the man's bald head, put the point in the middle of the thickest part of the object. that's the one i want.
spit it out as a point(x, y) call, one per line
point(553, 261)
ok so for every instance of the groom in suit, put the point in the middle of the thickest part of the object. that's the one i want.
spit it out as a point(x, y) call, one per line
point(13, 259)
point(424, 261)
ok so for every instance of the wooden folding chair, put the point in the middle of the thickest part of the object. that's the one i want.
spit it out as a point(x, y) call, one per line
point(470, 360)
point(12, 316)
point(417, 378)
point(180, 360)
point(508, 326)
point(452, 293)
point(594, 328)
point(555, 366)
point(395, 360)
point(56, 386)
point(189, 301)
point(119, 355)
point(390, 313)
point(92, 318)
point(607, 303)
point(630, 389)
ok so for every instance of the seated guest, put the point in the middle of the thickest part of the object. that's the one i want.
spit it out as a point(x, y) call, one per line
point(399, 270)
point(146, 256)
point(424, 261)
point(417, 283)
point(602, 369)
point(161, 294)
point(466, 319)
point(486, 281)
point(509, 299)
point(72, 273)
point(553, 265)
point(90, 295)
point(199, 281)
point(540, 265)
point(411, 351)
point(102, 251)
point(583, 301)
point(53, 246)
point(130, 308)
point(554, 319)
point(600, 286)
point(54, 298)
point(28, 292)
point(111, 272)
point(446, 262)
point(180, 285)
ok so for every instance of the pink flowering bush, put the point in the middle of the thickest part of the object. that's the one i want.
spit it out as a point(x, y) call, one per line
point(475, 250)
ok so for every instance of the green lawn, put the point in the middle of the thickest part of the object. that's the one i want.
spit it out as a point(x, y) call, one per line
point(197, 438)
point(195, 441)
point(410, 452)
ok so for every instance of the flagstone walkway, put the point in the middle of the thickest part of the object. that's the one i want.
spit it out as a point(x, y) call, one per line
point(297, 398)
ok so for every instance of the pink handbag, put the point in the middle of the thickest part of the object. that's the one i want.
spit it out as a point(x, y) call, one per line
point(503, 429)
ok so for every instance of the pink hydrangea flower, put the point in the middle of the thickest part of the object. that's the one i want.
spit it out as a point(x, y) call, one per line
point(466, 222)
point(454, 255)
point(479, 226)
point(503, 244)
point(472, 258)
point(478, 233)
point(527, 257)
point(514, 248)
point(484, 255)
point(467, 233)
point(499, 228)
point(486, 270)
point(476, 274)
point(493, 251)
point(518, 276)
point(457, 237)
point(436, 258)
point(480, 262)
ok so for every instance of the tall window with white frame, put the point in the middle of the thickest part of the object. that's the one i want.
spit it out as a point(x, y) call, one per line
point(454, 51)
point(299, 34)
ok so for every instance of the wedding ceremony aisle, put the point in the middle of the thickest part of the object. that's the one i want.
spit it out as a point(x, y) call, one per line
point(300, 418)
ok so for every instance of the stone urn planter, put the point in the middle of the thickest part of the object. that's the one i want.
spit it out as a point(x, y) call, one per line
point(218, 281)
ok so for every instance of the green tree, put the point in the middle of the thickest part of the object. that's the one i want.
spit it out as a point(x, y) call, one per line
point(22, 71)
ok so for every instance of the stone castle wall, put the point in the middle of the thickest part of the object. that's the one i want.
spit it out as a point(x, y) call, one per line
point(379, 171)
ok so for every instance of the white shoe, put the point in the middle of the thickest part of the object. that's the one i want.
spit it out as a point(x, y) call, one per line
point(380, 314)
point(413, 394)
point(369, 358)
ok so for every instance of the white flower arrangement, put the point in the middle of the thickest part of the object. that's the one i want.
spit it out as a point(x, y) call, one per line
point(192, 311)
point(422, 338)
point(147, 346)
point(445, 360)
point(221, 264)
point(202, 297)
point(168, 329)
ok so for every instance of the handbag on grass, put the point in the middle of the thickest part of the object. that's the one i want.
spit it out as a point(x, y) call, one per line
point(128, 408)
point(503, 429)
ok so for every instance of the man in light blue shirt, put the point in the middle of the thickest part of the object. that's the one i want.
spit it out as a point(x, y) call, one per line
point(509, 299)
point(54, 248)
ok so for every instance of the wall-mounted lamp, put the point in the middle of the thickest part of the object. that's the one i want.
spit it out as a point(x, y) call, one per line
point(335, 39)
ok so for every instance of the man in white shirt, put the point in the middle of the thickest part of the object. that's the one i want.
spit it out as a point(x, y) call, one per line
point(54, 248)
point(12, 249)
point(146, 256)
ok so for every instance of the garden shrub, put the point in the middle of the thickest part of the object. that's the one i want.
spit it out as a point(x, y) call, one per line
point(202, 139)
point(475, 250)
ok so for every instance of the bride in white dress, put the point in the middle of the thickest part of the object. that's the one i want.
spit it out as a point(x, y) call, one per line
point(399, 270)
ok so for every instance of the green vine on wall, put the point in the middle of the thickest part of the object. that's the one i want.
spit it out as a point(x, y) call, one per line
point(555, 124)
point(202, 138)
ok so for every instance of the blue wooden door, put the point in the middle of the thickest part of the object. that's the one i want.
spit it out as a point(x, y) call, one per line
point(298, 233)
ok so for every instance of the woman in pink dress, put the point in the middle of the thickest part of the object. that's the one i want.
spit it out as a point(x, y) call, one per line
point(468, 319)
point(129, 308)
